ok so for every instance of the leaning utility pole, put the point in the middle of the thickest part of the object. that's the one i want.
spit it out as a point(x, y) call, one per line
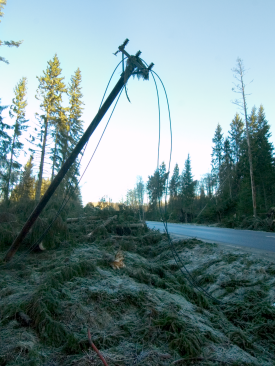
point(240, 88)
point(134, 66)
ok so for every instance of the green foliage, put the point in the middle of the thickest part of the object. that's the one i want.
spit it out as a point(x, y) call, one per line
point(217, 153)
point(156, 187)
point(49, 92)
point(224, 195)
point(17, 111)
point(6, 43)
point(187, 191)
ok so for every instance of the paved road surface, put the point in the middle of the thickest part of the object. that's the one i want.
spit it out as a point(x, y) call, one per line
point(250, 240)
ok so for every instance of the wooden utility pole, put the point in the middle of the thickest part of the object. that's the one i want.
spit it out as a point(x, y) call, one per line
point(134, 65)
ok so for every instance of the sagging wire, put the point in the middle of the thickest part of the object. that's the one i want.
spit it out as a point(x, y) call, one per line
point(176, 256)
point(70, 190)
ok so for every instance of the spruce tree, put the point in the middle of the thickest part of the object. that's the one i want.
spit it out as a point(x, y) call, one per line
point(17, 111)
point(263, 160)
point(188, 188)
point(174, 190)
point(49, 92)
point(174, 185)
point(217, 153)
point(236, 137)
point(156, 185)
point(74, 125)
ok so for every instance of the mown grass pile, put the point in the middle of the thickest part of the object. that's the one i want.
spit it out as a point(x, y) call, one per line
point(144, 314)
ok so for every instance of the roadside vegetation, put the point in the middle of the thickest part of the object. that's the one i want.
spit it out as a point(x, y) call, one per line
point(105, 271)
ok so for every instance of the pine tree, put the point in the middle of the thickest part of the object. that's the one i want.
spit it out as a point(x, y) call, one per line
point(17, 110)
point(5, 141)
point(50, 90)
point(217, 153)
point(6, 43)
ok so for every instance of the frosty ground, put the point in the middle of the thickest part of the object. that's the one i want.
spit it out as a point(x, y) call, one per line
point(146, 313)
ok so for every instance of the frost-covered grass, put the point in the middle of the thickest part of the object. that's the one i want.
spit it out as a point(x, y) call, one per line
point(144, 314)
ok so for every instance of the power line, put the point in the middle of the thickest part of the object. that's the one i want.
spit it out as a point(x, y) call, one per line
point(176, 256)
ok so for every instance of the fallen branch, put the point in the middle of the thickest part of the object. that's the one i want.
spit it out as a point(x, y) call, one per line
point(76, 219)
point(181, 360)
point(95, 349)
point(124, 237)
point(105, 223)
point(130, 226)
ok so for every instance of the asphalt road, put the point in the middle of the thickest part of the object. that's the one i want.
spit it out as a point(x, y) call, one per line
point(245, 239)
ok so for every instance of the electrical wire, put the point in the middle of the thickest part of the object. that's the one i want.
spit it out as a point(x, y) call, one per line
point(176, 256)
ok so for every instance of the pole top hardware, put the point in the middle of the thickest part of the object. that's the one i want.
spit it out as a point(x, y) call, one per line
point(142, 70)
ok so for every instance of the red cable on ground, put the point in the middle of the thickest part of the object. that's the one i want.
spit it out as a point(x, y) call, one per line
point(95, 349)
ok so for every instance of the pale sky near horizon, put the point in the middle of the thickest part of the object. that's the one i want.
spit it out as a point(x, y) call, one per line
point(194, 46)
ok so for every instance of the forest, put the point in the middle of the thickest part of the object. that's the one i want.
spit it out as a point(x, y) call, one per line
point(225, 194)
point(48, 142)
point(239, 190)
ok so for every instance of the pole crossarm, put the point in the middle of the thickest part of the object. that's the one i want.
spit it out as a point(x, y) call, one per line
point(133, 63)
point(142, 69)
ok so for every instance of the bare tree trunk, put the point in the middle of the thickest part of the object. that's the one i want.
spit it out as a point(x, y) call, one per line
point(54, 154)
point(40, 175)
point(10, 168)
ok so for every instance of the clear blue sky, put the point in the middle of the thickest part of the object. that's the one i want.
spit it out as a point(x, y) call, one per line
point(194, 46)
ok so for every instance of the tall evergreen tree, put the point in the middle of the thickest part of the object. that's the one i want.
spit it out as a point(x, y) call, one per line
point(217, 153)
point(263, 154)
point(17, 111)
point(174, 185)
point(236, 137)
point(188, 188)
point(74, 125)
point(49, 92)
point(156, 185)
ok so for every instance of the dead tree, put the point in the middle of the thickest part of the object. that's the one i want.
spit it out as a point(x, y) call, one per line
point(239, 72)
